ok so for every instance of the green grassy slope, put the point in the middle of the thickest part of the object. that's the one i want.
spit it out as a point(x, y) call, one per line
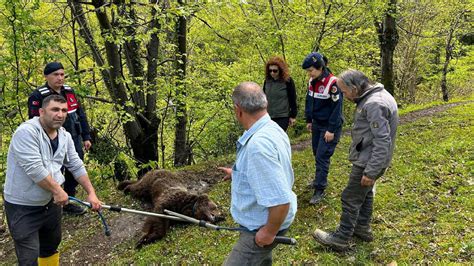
point(423, 212)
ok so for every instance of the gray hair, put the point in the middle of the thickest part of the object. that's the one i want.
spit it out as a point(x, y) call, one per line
point(250, 97)
point(354, 78)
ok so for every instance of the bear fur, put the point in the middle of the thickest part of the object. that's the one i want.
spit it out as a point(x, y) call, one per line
point(165, 190)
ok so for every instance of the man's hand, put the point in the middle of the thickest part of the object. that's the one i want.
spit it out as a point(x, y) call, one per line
point(367, 181)
point(94, 201)
point(60, 197)
point(292, 121)
point(264, 237)
point(227, 171)
point(328, 136)
point(309, 126)
point(87, 144)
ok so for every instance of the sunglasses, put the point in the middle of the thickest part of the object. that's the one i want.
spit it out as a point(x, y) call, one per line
point(273, 70)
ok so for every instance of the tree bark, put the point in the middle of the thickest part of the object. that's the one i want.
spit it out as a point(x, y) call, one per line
point(141, 129)
point(181, 151)
point(388, 40)
point(449, 47)
point(280, 34)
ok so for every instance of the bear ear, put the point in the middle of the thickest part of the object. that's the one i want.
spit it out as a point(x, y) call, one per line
point(203, 197)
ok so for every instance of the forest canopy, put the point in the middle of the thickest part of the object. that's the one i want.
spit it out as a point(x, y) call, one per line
point(155, 77)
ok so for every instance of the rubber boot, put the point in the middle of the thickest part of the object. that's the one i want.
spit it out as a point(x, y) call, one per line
point(52, 260)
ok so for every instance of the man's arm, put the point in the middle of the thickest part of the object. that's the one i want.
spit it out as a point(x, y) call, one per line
point(85, 182)
point(276, 217)
point(34, 104)
point(380, 129)
point(60, 197)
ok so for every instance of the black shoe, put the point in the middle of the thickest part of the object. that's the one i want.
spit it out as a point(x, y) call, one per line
point(364, 233)
point(331, 240)
point(73, 209)
point(317, 196)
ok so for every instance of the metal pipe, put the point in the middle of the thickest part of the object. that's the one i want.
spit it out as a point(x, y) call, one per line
point(278, 239)
point(120, 209)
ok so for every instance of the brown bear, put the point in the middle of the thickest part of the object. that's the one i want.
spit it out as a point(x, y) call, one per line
point(165, 190)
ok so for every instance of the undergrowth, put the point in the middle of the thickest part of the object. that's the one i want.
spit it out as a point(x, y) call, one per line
point(423, 209)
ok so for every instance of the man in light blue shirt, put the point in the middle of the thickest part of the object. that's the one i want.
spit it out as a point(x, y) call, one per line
point(262, 179)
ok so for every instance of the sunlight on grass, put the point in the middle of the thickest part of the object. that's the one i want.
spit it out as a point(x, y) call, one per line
point(422, 209)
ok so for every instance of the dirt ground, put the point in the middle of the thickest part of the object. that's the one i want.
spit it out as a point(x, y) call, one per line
point(126, 228)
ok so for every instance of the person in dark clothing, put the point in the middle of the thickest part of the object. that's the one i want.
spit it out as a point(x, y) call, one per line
point(371, 151)
point(323, 113)
point(76, 121)
point(280, 90)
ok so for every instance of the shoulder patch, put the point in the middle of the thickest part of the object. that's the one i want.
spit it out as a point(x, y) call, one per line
point(335, 97)
point(66, 87)
point(333, 89)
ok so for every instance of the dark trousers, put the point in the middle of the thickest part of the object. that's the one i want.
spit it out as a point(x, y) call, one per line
point(357, 202)
point(322, 152)
point(283, 122)
point(36, 230)
point(70, 182)
point(246, 252)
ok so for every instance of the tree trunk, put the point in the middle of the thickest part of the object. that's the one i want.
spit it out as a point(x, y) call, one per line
point(444, 86)
point(449, 53)
point(388, 39)
point(181, 148)
point(141, 130)
point(280, 34)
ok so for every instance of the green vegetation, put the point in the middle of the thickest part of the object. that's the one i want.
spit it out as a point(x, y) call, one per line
point(423, 206)
point(424, 203)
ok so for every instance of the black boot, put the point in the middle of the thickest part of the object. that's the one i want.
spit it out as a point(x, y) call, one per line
point(72, 209)
point(317, 196)
point(364, 233)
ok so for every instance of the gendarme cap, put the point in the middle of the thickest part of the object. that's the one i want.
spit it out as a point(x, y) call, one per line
point(51, 67)
point(313, 60)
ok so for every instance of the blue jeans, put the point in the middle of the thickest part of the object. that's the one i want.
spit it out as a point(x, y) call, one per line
point(322, 152)
point(36, 230)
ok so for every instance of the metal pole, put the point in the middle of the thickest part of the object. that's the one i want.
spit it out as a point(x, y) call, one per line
point(119, 209)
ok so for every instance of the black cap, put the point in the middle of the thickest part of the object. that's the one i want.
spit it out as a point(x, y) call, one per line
point(51, 67)
point(313, 60)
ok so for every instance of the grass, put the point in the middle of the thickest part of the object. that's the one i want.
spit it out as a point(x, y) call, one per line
point(423, 206)
point(423, 211)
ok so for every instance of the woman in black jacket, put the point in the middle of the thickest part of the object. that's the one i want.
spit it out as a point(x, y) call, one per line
point(281, 92)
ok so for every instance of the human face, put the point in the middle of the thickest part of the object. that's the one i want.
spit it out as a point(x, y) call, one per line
point(313, 72)
point(274, 71)
point(52, 117)
point(349, 94)
point(56, 79)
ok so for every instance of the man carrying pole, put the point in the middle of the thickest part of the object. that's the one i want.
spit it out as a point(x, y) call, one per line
point(39, 148)
point(262, 179)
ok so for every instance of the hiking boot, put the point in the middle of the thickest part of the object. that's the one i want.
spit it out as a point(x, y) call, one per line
point(317, 197)
point(72, 209)
point(364, 233)
point(331, 240)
